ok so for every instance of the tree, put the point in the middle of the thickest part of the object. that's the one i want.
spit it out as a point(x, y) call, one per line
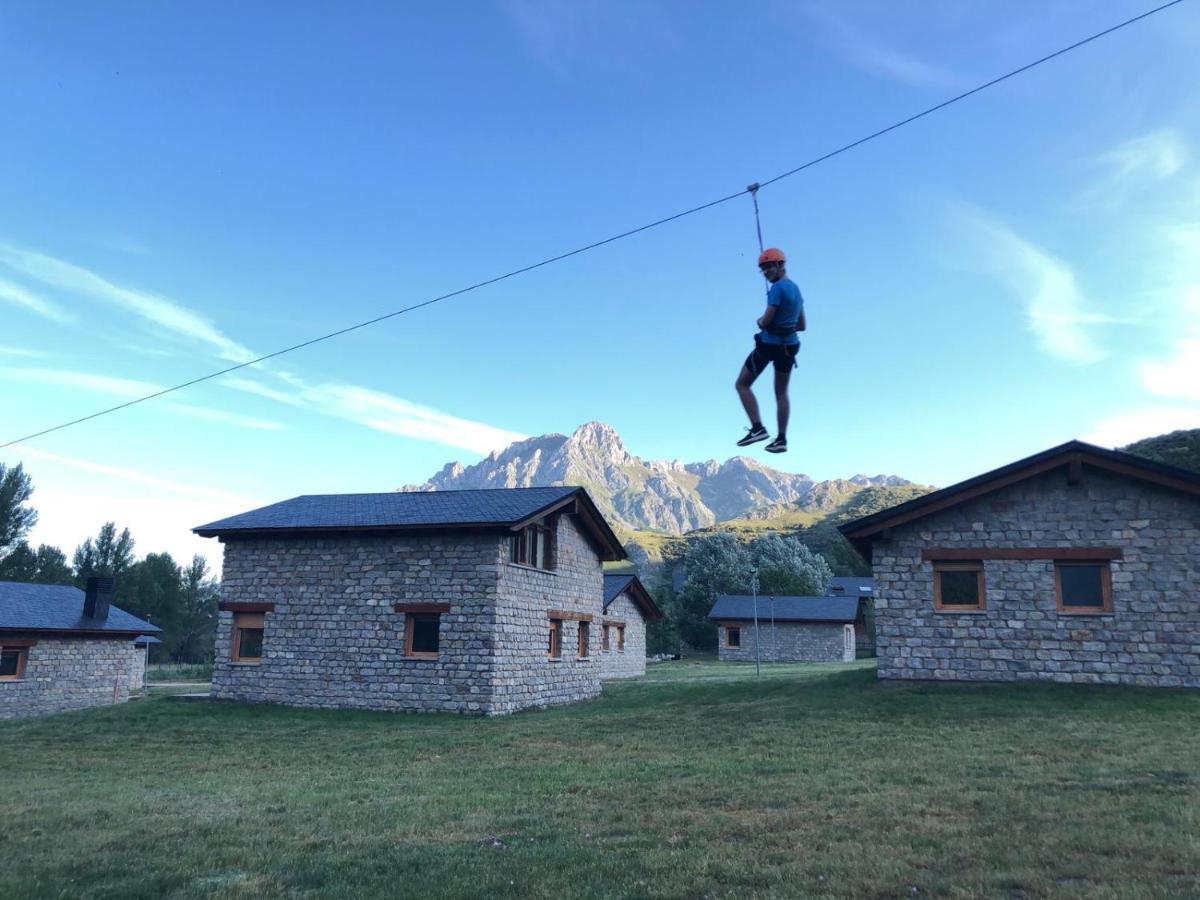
point(716, 563)
point(15, 517)
point(787, 567)
point(110, 554)
point(46, 565)
point(198, 619)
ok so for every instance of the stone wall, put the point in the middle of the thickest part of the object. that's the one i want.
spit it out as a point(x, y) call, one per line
point(524, 674)
point(63, 673)
point(1152, 636)
point(334, 639)
point(787, 642)
point(631, 662)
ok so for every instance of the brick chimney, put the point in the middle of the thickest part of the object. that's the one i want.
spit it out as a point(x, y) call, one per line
point(97, 597)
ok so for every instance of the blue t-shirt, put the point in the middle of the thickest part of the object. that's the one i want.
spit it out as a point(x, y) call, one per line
point(789, 304)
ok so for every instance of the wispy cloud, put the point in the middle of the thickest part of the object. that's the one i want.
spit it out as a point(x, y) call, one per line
point(22, 352)
point(1133, 425)
point(383, 412)
point(1056, 310)
point(1160, 154)
point(612, 32)
point(131, 389)
point(160, 311)
point(873, 57)
point(12, 293)
point(186, 489)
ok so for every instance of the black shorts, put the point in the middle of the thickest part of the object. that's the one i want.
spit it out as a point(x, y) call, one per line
point(782, 355)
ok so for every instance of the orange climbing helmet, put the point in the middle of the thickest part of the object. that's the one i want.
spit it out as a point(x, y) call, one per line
point(772, 255)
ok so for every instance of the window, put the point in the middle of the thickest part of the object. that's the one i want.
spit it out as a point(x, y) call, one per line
point(533, 546)
point(733, 637)
point(1083, 587)
point(12, 663)
point(584, 639)
point(604, 637)
point(421, 635)
point(958, 586)
point(555, 650)
point(248, 637)
point(620, 638)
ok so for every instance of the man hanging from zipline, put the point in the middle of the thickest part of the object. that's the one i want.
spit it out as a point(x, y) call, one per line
point(777, 343)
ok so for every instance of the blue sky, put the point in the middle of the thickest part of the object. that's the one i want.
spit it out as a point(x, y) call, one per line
point(186, 186)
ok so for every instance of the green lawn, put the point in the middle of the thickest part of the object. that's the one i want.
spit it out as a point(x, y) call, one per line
point(701, 780)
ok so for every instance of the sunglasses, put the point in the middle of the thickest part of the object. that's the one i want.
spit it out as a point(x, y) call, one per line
point(770, 265)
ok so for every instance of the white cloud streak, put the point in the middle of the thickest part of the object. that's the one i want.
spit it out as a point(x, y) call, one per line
point(160, 311)
point(1055, 308)
point(15, 294)
point(1134, 425)
point(130, 389)
point(873, 58)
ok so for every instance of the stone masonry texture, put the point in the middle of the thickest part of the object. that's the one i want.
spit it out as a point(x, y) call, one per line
point(1152, 636)
point(335, 641)
point(63, 673)
point(787, 642)
point(630, 662)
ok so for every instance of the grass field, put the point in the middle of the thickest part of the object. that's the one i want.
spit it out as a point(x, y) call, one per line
point(701, 781)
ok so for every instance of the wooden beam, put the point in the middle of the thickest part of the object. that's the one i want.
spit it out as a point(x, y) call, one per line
point(1075, 470)
point(419, 608)
point(237, 607)
point(572, 616)
point(973, 553)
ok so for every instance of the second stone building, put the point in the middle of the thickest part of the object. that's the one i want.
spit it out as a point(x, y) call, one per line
point(480, 602)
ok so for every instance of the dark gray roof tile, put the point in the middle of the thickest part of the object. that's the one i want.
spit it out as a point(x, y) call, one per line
point(785, 609)
point(58, 607)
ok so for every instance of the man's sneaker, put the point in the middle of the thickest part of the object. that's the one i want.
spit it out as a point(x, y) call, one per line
point(779, 445)
point(753, 436)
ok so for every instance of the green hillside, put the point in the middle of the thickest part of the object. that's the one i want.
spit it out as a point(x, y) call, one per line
point(1179, 448)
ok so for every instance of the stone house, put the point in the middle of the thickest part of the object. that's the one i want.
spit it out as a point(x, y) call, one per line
point(627, 609)
point(1077, 564)
point(62, 648)
point(862, 587)
point(479, 601)
point(790, 629)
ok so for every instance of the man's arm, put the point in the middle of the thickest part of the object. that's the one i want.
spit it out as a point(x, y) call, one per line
point(768, 317)
point(801, 324)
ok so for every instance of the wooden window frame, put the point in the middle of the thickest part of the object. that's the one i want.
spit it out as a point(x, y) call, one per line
point(962, 565)
point(554, 646)
point(731, 629)
point(1106, 606)
point(21, 648)
point(243, 621)
point(410, 621)
point(604, 638)
point(537, 533)
point(583, 640)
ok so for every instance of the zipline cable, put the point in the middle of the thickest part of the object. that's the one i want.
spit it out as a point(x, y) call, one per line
point(752, 190)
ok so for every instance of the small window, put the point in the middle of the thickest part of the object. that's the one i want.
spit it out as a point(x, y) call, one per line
point(733, 637)
point(958, 586)
point(248, 637)
point(584, 639)
point(422, 635)
point(604, 633)
point(12, 663)
point(533, 546)
point(1083, 587)
point(555, 649)
point(620, 638)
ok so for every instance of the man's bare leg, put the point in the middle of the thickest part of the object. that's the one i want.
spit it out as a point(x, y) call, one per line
point(749, 401)
point(783, 406)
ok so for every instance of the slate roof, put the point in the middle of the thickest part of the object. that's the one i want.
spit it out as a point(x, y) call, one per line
point(615, 585)
point(416, 510)
point(59, 608)
point(852, 586)
point(145, 640)
point(1072, 456)
point(740, 607)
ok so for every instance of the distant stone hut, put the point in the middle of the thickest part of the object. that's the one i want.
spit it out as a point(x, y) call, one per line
point(627, 609)
point(1077, 564)
point(62, 648)
point(483, 602)
point(789, 629)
